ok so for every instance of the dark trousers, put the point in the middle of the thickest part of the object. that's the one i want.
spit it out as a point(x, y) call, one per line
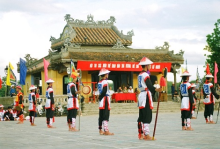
point(208, 110)
point(49, 114)
point(31, 114)
point(145, 114)
point(104, 114)
point(71, 114)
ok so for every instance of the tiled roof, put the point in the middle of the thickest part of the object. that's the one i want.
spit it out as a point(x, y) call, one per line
point(103, 56)
point(97, 36)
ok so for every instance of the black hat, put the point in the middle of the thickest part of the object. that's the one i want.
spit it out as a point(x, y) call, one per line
point(9, 107)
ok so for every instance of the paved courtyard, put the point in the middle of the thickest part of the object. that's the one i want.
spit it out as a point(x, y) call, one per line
point(168, 134)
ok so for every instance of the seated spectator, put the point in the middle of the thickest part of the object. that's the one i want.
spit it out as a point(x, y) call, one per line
point(12, 91)
point(111, 91)
point(130, 90)
point(8, 116)
point(125, 89)
point(176, 96)
point(119, 89)
point(2, 112)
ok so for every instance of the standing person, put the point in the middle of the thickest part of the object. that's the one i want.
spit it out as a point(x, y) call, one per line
point(156, 94)
point(197, 86)
point(104, 102)
point(72, 105)
point(49, 106)
point(172, 91)
point(19, 105)
point(186, 101)
point(2, 111)
point(209, 101)
point(37, 93)
point(32, 104)
point(145, 102)
point(12, 91)
point(195, 99)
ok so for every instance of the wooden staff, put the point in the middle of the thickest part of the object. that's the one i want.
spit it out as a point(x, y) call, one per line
point(79, 86)
point(218, 112)
point(155, 125)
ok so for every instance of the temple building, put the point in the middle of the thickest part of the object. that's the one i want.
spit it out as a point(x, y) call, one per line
point(92, 45)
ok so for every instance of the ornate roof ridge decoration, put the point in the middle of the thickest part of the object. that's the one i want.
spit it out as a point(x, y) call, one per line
point(29, 59)
point(90, 20)
point(166, 47)
point(68, 43)
point(118, 45)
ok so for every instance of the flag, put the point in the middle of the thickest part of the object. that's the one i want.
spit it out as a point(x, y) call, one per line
point(0, 82)
point(23, 71)
point(183, 70)
point(72, 67)
point(207, 69)
point(11, 78)
point(46, 64)
point(215, 73)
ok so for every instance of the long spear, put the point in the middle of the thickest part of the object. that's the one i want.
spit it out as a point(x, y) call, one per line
point(162, 83)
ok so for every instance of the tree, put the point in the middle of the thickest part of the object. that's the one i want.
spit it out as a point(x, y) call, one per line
point(213, 41)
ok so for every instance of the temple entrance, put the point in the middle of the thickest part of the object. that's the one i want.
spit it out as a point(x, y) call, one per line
point(37, 81)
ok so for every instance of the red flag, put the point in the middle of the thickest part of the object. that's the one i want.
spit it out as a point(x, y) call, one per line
point(215, 74)
point(46, 64)
point(207, 69)
point(0, 82)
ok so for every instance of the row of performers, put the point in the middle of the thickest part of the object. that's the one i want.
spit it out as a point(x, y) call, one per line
point(188, 100)
point(145, 102)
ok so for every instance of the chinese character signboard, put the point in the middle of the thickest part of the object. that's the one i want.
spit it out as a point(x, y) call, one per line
point(119, 66)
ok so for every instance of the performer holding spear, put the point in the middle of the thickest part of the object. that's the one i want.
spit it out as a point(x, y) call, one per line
point(72, 104)
point(145, 102)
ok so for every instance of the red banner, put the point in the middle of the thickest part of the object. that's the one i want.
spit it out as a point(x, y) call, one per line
point(119, 66)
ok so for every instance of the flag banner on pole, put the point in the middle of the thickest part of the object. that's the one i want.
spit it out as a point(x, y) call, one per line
point(11, 78)
point(216, 71)
point(183, 70)
point(46, 64)
point(72, 67)
point(23, 71)
point(207, 69)
point(0, 82)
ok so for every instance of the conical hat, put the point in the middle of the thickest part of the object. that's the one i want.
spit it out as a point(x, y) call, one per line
point(103, 71)
point(32, 87)
point(145, 61)
point(18, 87)
point(193, 85)
point(49, 81)
point(209, 75)
point(185, 73)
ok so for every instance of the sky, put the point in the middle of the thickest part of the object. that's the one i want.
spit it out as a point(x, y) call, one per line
point(26, 26)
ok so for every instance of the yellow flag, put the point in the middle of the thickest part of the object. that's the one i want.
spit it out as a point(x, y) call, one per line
point(9, 74)
point(182, 70)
